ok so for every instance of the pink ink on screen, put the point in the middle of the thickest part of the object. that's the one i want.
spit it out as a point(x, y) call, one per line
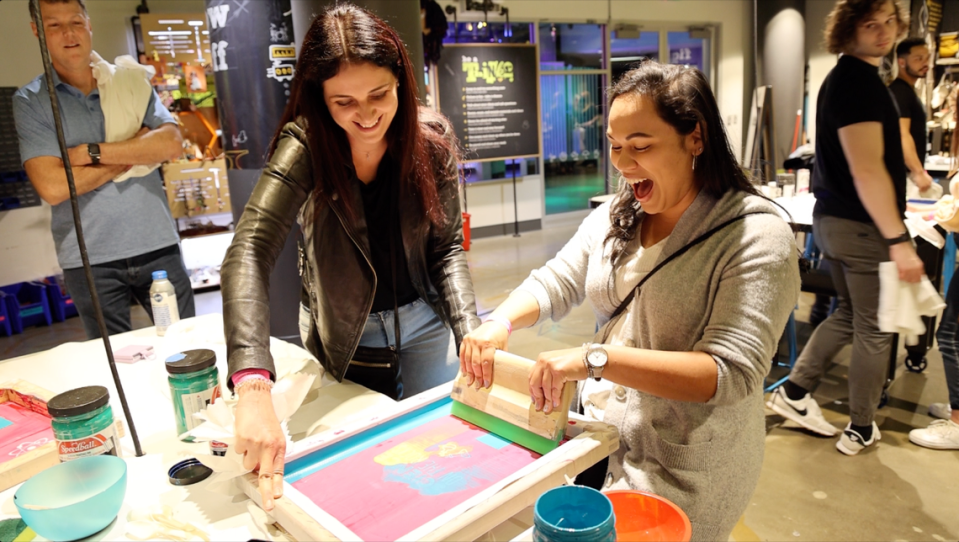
point(400, 484)
point(21, 430)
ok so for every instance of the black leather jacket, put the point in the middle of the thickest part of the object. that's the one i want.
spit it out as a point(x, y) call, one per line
point(338, 276)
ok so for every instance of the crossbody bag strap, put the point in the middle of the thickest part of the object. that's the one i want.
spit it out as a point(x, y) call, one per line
point(632, 294)
point(395, 222)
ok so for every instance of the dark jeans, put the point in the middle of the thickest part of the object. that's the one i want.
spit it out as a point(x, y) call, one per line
point(427, 352)
point(118, 280)
point(948, 342)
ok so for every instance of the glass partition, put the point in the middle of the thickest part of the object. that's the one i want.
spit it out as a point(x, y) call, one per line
point(571, 46)
point(625, 53)
point(689, 51)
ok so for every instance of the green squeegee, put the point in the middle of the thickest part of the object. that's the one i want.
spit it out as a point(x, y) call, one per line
point(505, 408)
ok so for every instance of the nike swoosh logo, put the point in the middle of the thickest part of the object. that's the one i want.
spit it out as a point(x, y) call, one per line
point(802, 412)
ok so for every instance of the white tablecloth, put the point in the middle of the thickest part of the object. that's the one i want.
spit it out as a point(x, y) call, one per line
point(800, 209)
point(224, 517)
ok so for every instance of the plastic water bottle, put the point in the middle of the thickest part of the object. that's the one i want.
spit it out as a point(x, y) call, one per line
point(166, 312)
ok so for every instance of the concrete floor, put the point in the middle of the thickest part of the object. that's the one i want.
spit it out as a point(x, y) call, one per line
point(808, 490)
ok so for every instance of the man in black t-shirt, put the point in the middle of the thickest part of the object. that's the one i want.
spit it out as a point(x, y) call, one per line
point(913, 58)
point(860, 185)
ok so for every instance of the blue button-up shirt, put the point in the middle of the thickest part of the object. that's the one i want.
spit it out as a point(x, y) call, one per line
point(120, 220)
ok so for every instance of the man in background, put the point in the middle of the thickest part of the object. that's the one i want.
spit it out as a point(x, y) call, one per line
point(128, 227)
point(860, 185)
point(913, 58)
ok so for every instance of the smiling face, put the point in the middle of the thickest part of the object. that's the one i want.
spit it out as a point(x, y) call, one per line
point(362, 99)
point(652, 156)
point(876, 34)
point(69, 35)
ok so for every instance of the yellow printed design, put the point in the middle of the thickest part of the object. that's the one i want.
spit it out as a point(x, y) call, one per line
point(419, 449)
point(491, 71)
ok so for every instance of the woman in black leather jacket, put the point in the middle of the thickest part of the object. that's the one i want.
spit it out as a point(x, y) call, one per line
point(372, 179)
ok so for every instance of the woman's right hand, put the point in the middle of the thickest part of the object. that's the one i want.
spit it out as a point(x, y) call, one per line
point(477, 351)
point(260, 440)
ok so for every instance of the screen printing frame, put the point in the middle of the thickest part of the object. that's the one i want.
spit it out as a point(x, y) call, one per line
point(590, 441)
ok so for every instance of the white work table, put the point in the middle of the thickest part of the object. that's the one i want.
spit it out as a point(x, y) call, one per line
point(222, 516)
point(799, 207)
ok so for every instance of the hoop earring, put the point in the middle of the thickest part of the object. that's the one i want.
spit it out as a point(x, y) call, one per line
point(694, 162)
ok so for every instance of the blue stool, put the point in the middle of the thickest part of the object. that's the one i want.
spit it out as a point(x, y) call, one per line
point(791, 341)
point(61, 304)
point(7, 306)
point(815, 281)
point(30, 306)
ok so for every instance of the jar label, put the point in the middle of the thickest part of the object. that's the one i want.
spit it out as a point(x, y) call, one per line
point(196, 402)
point(104, 442)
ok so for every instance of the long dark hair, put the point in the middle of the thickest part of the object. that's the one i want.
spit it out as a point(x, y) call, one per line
point(346, 34)
point(683, 99)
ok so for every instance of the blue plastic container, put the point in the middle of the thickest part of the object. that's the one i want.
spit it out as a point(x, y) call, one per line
point(75, 499)
point(573, 514)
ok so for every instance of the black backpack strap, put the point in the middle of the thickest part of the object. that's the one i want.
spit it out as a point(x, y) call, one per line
point(632, 294)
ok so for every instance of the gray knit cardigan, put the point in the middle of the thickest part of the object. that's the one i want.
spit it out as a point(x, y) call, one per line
point(730, 297)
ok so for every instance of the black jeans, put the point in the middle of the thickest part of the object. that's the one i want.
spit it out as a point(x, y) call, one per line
point(118, 280)
point(948, 338)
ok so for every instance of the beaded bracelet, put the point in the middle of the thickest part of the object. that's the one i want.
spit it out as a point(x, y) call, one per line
point(502, 321)
point(255, 383)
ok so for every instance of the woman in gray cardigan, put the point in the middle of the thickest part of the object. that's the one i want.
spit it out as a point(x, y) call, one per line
point(686, 357)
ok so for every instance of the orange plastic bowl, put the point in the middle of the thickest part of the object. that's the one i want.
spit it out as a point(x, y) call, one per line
point(642, 516)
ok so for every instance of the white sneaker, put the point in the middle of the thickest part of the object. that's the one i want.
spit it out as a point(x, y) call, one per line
point(805, 412)
point(940, 410)
point(851, 442)
point(940, 435)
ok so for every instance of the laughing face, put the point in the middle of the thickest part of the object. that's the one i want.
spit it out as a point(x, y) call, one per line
point(69, 35)
point(362, 99)
point(652, 156)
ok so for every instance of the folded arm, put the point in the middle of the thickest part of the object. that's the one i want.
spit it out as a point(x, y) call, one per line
point(147, 147)
point(49, 177)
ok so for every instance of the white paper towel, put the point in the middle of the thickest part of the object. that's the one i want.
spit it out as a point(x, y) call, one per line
point(903, 304)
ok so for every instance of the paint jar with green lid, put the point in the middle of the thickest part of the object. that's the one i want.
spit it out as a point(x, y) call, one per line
point(83, 423)
point(194, 385)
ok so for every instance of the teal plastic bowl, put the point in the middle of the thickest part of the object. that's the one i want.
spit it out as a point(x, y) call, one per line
point(75, 499)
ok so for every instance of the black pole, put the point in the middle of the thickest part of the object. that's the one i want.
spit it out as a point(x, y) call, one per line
point(451, 10)
point(515, 203)
point(68, 168)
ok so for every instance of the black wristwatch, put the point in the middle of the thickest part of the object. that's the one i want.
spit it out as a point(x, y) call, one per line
point(904, 237)
point(93, 149)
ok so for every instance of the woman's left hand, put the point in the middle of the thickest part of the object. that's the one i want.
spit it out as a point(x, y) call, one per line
point(552, 370)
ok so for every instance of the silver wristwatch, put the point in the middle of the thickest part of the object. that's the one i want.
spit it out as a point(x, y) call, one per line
point(595, 358)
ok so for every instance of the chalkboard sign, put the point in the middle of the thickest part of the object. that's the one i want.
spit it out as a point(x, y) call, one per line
point(490, 94)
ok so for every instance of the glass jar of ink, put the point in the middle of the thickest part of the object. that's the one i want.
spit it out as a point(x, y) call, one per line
point(194, 385)
point(83, 423)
